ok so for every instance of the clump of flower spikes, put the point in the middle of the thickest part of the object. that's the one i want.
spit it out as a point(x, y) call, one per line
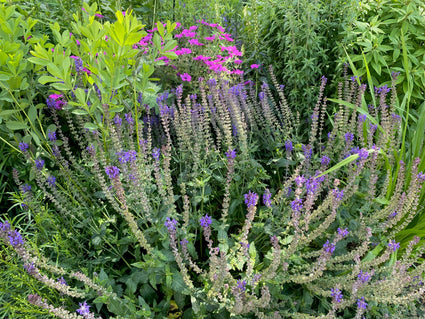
point(309, 200)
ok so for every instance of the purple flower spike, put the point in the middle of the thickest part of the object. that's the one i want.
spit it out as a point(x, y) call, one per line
point(52, 181)
point(363, 276)
point(300, 180)
point(156, 153)
point(170, 224)
point(15, 238)
point(205, 221)
point(26, 188)
point(288, 146)
point(329, 247)
point(267, 198)
point(4, 227)
point(251, 199)
point(361, 304)
point(84, 309)
point(241, 285)
point(297, 205)
point(29, 267)
point(23, 147)
point(337, 295)
point(62, 281)
point(349, 137)
point(39, 163)
point(112, 171)
point(231, 154)
point(51, 135)
point(325, 160)
point(393, 245)
point(343, 232)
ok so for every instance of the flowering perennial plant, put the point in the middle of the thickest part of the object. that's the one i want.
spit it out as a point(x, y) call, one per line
point(179, 212)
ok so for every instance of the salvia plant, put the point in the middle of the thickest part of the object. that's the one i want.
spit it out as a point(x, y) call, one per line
point(213, 204)
point(209, 203)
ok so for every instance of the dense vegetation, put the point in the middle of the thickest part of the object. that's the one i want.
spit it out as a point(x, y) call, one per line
point(234, 159)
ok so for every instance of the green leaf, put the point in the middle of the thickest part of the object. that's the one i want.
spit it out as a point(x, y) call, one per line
point(15, 125)
point(46, 79)
point(79, 112)
point(157, 41)
point(54, 70)
point(91, 126)
point(160, 27)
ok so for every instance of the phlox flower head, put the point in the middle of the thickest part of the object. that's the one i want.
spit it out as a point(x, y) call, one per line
point(186, 77)
point(255, 66)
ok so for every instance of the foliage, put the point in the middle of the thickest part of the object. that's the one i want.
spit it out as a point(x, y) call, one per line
point(388, 36)
point(301, 40)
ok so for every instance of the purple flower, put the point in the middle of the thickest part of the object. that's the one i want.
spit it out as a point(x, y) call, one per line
point(421, 176)
point(112, 171)
point(51, 135)
point(26, 188)
point(39, 163)
point(156, 153)
point(251, 199)
point(363, 276)
point(62, 281)
point(339, 194)
point(311, 185)
point(51, 180)
point(393, 245)
point(5, 227)
point(362, 118)
point(308, 152)
point(241, 285)
point(29, 267)
point(129, 118)
point(50, 102)
point(255, 66)
point(299, 180)
point(297, 204)
point(363, 154)
point(267, 198)
point(261, 96)
point(140, 98)
point(78, 64)
point(231, 154)
point(117, 120)
point(343, 232)
point(281, 86)
point(15, 238)
point(288, 146)
point(361, 304)
point(349, 137)
point(337, 295)
point(329, 247)
point(170, 224)
point(184, 242)
point(392, 215)
point(23, 147)
point(84, 309)
point(325, 160)
point(205, 221)
point(212, 82)
point(127, 157)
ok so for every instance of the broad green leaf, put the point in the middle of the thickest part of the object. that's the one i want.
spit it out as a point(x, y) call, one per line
point(16, 125)
point(46, 79)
